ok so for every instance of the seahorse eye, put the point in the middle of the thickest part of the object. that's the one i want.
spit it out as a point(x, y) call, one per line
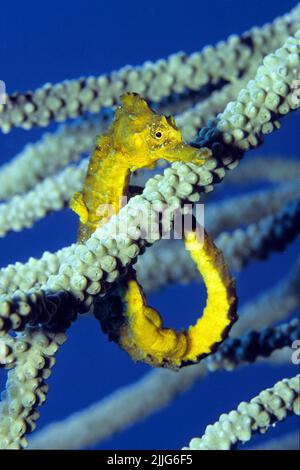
point(158, 134)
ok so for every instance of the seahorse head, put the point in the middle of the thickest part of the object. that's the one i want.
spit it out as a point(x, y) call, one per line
point(143, 135)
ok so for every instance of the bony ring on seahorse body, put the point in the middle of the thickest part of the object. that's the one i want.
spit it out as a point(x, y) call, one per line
point(142, 334)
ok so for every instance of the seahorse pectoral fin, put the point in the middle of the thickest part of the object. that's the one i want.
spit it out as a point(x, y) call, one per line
point(77, 204)
point(182, 152)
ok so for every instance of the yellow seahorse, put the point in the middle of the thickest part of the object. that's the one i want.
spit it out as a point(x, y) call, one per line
point(137, 138)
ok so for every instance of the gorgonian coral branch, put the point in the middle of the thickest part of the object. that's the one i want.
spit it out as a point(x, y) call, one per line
point(272, 233)
point(244, 209)
point(247, 348)
point(288, 441)
point(26, 388)
point(273, 169)
point(269, 407)
point(52, 194)
point(49, 154)
point(273, 305)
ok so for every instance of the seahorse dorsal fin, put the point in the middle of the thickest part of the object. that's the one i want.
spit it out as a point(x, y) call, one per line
point(133, 103)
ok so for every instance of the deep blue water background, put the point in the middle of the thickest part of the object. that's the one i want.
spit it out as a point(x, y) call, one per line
point(53, 40)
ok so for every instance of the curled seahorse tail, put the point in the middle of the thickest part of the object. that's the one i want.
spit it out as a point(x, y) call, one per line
point(143, 335)
point(220, 312)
